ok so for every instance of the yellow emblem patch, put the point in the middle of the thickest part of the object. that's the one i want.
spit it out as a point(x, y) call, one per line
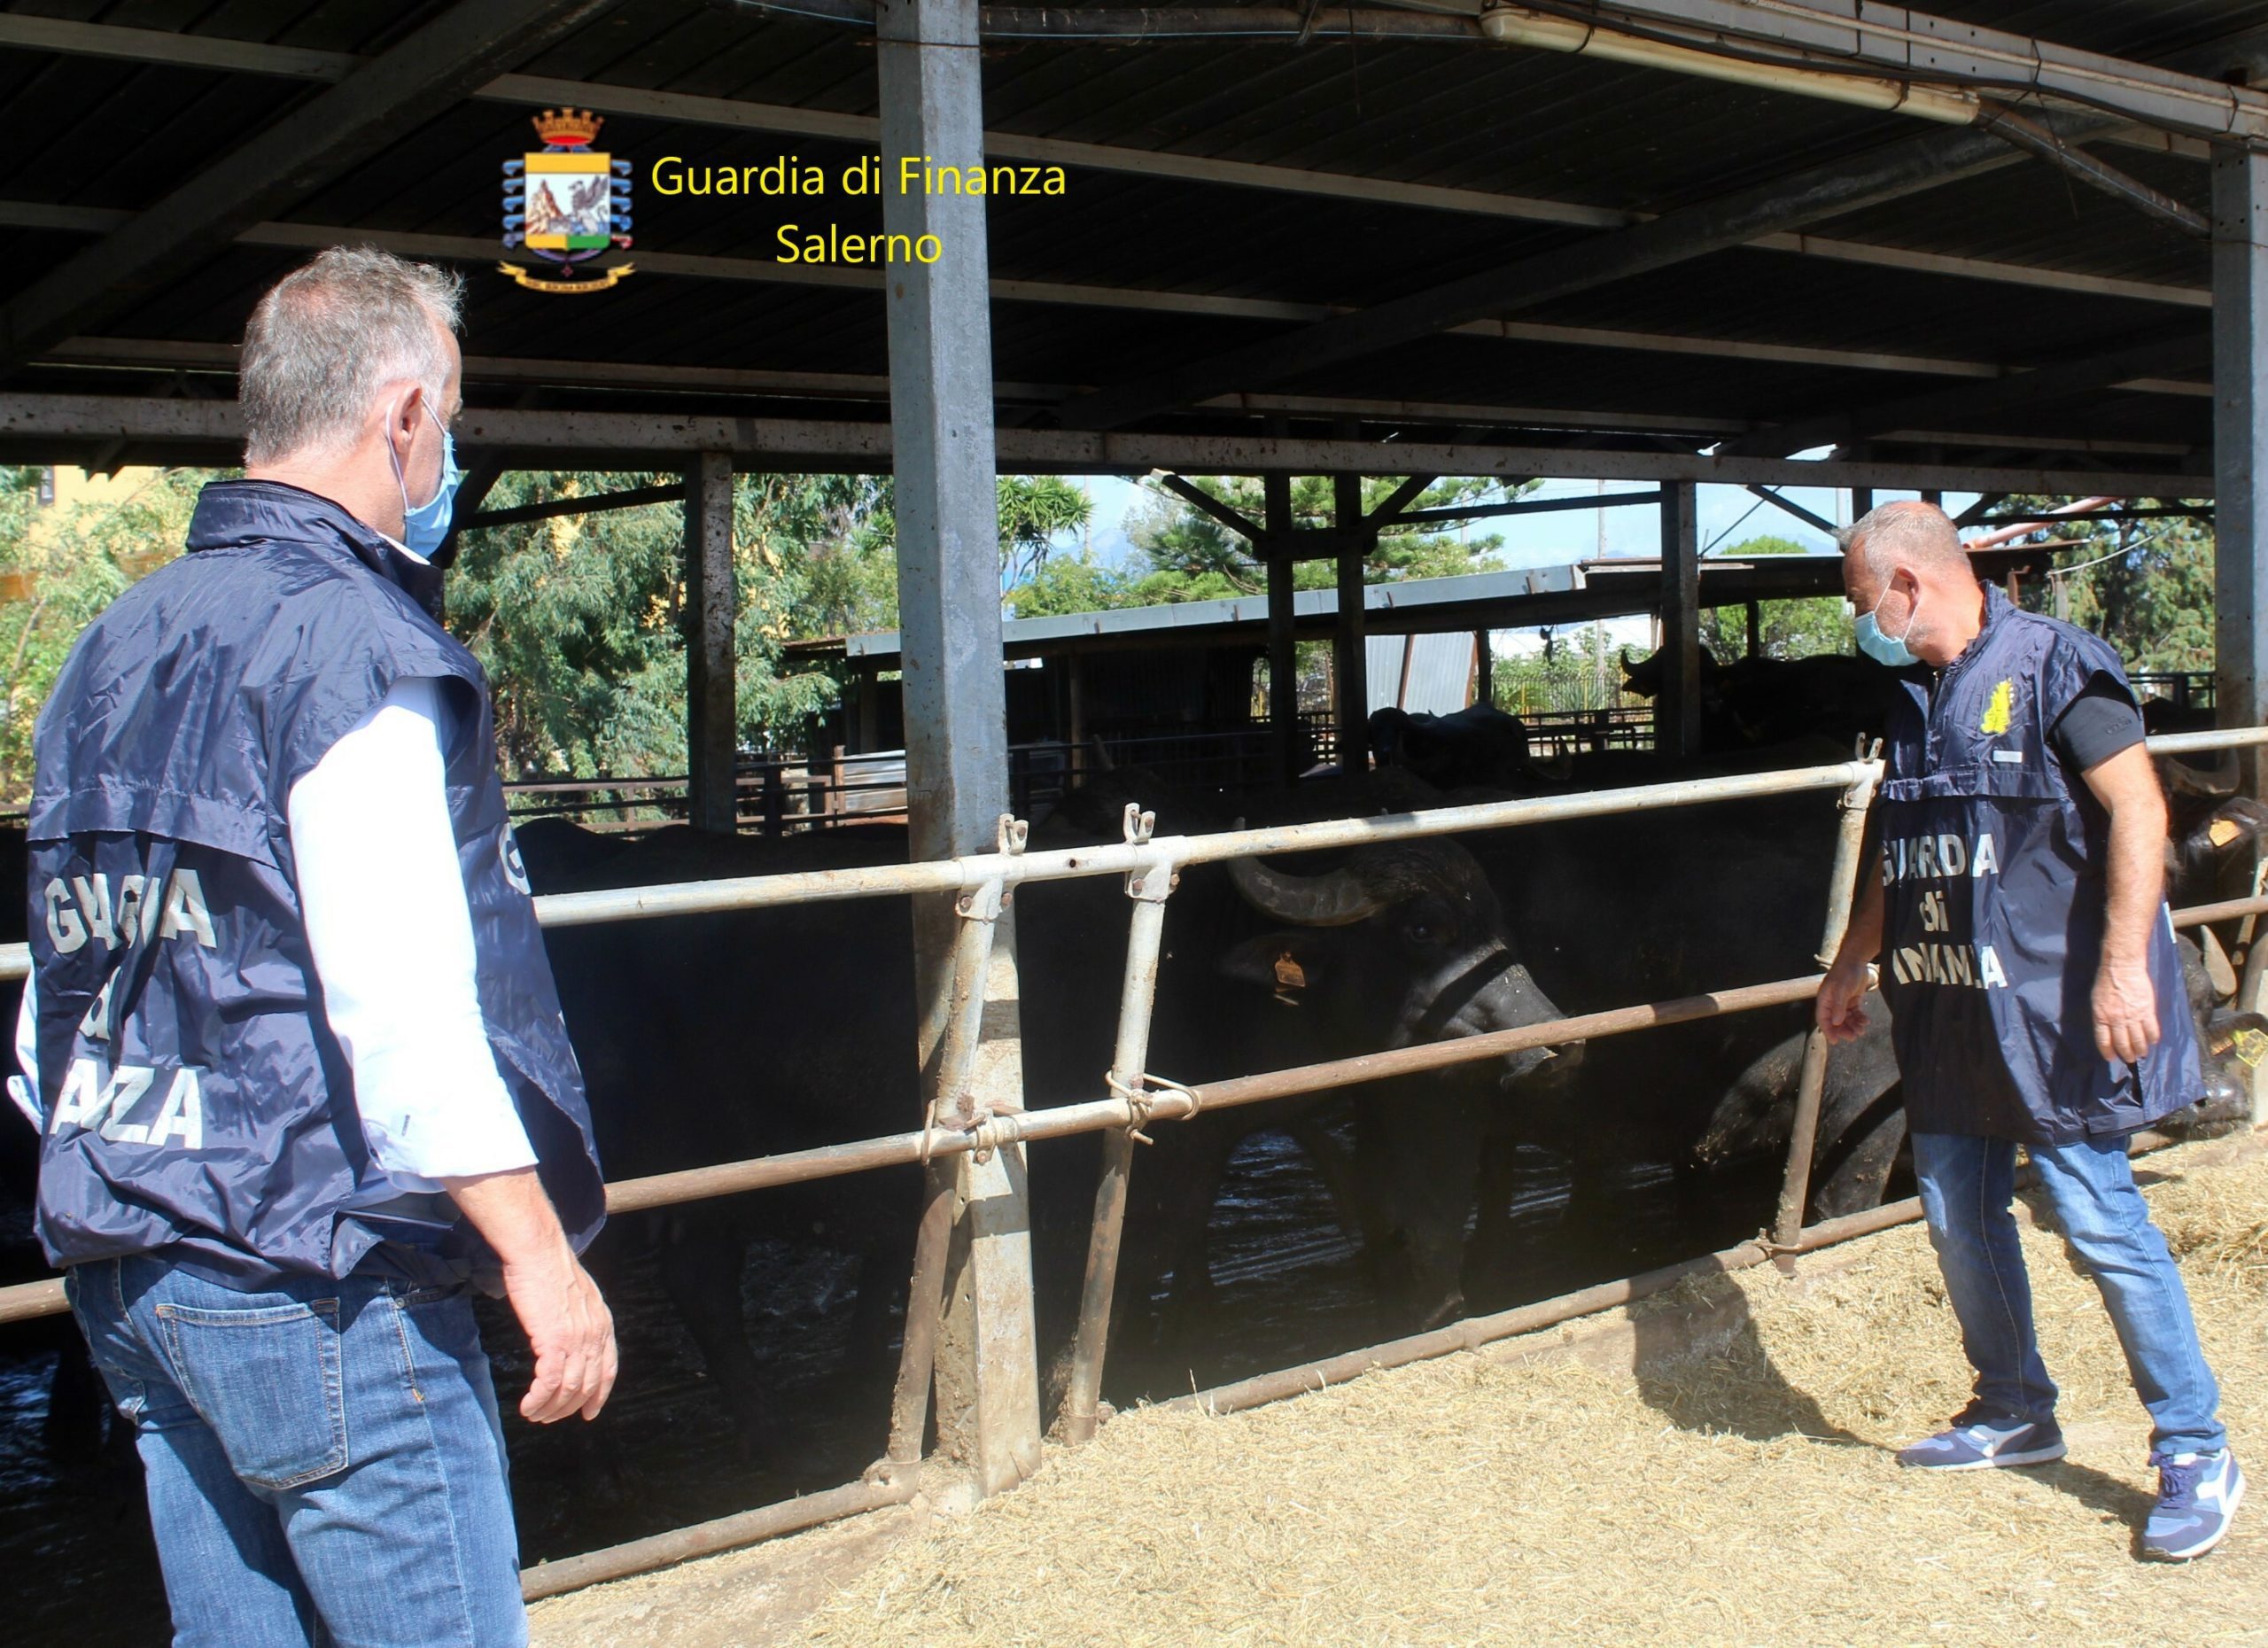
point(1996, 713)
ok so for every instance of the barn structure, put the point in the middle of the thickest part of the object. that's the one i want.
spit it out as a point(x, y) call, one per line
point(1999, 247)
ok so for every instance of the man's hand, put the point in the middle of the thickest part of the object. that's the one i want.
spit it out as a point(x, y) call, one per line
point(2125, 1010)
point(567, 1325)
point(572, 1333)
point(1845, 986)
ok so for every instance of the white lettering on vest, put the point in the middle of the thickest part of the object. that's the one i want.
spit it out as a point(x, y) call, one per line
point(83, 908)
point(516, 871)
point(80, 1101)
point(96, 1025)
point(1972, 965)
point(63, 924)
point(94, 904)
point(88, 1098)
point(1937, 857)
point(128, 1084)
point(182, 1116)
point(186, 909)
point(130, 888)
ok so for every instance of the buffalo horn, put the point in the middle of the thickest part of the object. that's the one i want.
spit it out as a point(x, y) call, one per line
point(2213, 782)
point(1335, 899)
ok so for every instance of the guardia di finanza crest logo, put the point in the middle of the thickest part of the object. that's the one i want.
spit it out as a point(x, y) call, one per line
point(566, 204)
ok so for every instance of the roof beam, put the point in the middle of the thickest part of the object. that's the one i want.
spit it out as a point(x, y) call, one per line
point(2038, 140)
point(1940, 50)
point(2048, 384)
point(1897, 170)
point(670, 378)
point(389, 96)
point(557, 437)
point(1792, 507)
point(465, 248)
point(1235, 520)
point(150, 45)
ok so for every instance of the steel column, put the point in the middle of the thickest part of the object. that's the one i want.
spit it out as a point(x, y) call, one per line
point(1349, 636)
point(712, 603)
point(2240, 438)
point(1283, 644)
point(949, 598)
point(1677, 704)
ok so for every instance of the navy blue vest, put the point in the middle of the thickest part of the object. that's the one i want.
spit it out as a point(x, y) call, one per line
point(196, 1101)
point(1994, 883)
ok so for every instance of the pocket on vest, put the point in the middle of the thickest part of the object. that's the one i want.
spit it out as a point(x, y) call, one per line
point(267, 1379)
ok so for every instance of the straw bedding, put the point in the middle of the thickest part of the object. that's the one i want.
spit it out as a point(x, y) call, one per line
point(1743, 1497)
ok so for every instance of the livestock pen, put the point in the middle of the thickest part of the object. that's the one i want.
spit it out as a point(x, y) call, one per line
point(980, 1121)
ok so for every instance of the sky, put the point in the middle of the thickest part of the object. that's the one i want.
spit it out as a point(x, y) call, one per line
point(1729, 516)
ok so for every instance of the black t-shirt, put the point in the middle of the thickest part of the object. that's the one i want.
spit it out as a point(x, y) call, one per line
point(2097, 725)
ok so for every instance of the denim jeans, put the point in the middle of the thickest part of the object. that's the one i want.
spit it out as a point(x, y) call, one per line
point(1967, 1183)
point(324, 1459)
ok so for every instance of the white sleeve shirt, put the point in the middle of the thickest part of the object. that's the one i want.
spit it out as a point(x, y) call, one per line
point(383, 898)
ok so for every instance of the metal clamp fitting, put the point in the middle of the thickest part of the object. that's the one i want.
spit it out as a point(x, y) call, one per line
point(1143, 1099)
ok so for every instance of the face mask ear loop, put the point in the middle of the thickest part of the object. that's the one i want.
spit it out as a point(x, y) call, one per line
point(401, 484)
point(1913, 617)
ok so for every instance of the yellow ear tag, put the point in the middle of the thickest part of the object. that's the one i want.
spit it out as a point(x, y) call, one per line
point(2220, 832)
point(1290, 976)
point(2251, 1046)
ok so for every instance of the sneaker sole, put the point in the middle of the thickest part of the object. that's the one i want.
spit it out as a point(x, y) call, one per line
point(1998, 1462)
point(2190, 1553)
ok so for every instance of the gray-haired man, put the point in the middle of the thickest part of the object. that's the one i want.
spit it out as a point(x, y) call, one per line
point(292, 1040)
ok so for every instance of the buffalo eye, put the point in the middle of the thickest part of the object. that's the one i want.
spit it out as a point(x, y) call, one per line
point(1419, 933)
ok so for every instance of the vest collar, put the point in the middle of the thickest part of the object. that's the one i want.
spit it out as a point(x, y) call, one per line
point(1997, 607)
point(250, 511)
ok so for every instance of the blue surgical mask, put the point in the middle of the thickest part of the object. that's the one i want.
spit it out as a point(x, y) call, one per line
point(425, 526)
point(1883, 649)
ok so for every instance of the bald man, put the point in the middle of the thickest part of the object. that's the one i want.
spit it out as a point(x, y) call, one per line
point(2027, 958)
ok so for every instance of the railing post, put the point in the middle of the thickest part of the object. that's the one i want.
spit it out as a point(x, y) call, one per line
point(1803, 1135)
point(978, 912)
point(1149, 889)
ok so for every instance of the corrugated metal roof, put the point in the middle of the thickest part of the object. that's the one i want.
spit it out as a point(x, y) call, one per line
point(1423, 674)
point(101, 132)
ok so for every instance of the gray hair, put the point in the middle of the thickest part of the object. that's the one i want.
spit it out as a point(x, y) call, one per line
point(332, 334)
point(1909, 532)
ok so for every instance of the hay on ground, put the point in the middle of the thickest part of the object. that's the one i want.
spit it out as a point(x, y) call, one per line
point(1744, 1497)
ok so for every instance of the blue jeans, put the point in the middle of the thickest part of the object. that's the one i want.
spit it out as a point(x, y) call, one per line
point(324, 1459)
point(1967, 1183)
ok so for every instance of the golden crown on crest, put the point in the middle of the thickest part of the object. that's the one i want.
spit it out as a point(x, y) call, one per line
point(568, 129)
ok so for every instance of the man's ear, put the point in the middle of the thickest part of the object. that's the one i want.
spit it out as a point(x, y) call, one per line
point(1289, 963)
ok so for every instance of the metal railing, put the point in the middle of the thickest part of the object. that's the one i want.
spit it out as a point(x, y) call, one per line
point(1150, 866)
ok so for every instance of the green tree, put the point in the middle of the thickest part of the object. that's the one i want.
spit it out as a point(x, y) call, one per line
point(1788, 629)
point(60, 567)
point(2144, 586)
point(1183, 553)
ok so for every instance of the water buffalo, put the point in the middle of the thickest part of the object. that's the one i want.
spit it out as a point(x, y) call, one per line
point(1479, 745)
point(1754, 702)
point(719, 1037)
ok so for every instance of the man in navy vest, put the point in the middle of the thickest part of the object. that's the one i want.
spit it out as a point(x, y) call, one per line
point(292, 1039)
point(2027, 960)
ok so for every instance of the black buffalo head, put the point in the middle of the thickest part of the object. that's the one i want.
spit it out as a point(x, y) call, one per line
point(1401, 943)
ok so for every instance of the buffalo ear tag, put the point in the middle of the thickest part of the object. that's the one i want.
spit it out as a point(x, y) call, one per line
point(2220, 832)
point(1290, 976)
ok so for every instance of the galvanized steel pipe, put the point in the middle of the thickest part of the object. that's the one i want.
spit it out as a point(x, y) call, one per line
point(1811, 1084)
